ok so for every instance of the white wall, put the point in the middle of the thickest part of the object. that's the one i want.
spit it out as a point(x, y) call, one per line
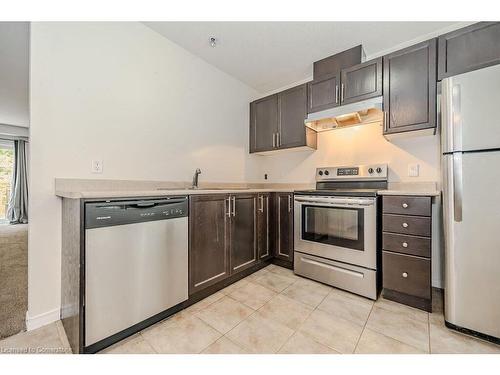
point(14, 73)
point(124, 94)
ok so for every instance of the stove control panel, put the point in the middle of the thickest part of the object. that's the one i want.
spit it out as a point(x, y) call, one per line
point(360, 172)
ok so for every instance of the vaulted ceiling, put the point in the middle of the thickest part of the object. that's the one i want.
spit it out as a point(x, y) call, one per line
point(270, 55)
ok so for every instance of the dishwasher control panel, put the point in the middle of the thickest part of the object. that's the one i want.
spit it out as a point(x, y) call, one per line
point(121, 212)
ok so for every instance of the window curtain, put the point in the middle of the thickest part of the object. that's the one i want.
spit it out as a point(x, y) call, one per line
point(17, 211)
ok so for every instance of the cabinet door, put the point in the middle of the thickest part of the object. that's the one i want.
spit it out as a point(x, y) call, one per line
point(292, 113)
point(470, 48)
point(263, 124)
point(264, 227)
point(323, 94)
point(284, 209)
point(410, 88)
point(361, 82)
point(243, 231)
point(208, 240)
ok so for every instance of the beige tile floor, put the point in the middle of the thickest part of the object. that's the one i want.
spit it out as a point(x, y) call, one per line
point(275, 311)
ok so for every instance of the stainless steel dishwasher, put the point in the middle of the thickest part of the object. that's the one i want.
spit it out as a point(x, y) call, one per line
point(136, 262)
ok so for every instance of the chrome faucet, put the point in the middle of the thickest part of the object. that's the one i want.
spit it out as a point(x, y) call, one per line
point(195, 178)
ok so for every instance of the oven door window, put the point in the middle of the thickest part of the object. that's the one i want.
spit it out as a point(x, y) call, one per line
point(336, 226)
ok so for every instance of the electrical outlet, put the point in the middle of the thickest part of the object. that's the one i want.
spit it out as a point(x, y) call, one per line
point(96, 166)
point(412, 170)
point(265, 176)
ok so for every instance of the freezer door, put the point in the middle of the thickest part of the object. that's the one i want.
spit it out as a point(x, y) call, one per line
point(470, 111)
point(472, 241)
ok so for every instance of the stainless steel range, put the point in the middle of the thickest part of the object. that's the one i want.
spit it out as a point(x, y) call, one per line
point(336, 228)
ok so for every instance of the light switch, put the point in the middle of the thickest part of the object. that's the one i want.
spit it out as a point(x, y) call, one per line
point(96, 166)
point(413, 170)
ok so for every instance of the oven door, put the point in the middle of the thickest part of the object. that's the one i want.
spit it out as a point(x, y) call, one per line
point(337, 228)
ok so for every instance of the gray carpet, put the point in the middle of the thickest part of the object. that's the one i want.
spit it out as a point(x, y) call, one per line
point(13, 278)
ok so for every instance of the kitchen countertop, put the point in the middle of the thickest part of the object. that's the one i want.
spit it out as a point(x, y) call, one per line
point(427, 189)
point(94, 189)
point(159, 192)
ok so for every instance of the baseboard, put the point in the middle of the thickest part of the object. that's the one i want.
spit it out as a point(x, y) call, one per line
point(37, 321)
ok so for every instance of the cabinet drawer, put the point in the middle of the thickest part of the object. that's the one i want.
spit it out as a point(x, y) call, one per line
point(416, 225)
point(407, 274)
point(405, 205)
point(401, 243)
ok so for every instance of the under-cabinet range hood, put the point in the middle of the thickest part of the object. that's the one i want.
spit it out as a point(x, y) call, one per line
point(360, 113)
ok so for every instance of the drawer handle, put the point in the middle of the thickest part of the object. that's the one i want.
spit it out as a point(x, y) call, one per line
point(405, 244)
point(405, 205)
point(405, 275)
point(405, 225)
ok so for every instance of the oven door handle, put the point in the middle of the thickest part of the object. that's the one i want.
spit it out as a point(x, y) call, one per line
point(337, 201)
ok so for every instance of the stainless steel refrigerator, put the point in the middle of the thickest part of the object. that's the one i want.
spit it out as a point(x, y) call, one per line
point(470, 143)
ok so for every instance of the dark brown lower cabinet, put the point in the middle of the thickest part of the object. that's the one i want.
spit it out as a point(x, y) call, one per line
point(406, 250)
point(208, 240)
point(243, 244)
point(284, 227)
point(222, 237)
point(265, 227)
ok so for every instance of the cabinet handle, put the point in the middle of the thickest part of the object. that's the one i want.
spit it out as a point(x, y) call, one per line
point(405, 244)
point(405, 225)
point(404, 274)
point(289, 203)
point(341, 92)
point(234, 206)
point(274, 140)
point(336, 93)
point(228, 213)
point(261, 200)
point(405, 205)
point(386, 120)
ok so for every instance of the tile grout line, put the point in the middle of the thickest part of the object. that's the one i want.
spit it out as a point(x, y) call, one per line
point(363, 330)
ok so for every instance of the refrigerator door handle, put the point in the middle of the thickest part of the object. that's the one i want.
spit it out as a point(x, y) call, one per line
point(447, 115)
point(457, 186)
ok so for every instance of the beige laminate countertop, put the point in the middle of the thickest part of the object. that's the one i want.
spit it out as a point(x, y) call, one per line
point(425, 189)
point(96, 189)
point(158, 192)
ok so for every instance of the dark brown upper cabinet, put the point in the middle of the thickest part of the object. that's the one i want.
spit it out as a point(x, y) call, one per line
point(361, 82)
point(243, 244)
point(324, 89)
point(292, 105)
point(208, 240)
point(410, 89)
point(284, 227)
point(323, 94)
point(265, 215)
point(277, 121)
point(470, 48)
point(263, 124)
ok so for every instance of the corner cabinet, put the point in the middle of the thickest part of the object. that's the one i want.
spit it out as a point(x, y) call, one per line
point(409, 89)
point(277, 122)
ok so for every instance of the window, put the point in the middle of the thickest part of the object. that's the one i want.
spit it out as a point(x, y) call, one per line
point(6, 170)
